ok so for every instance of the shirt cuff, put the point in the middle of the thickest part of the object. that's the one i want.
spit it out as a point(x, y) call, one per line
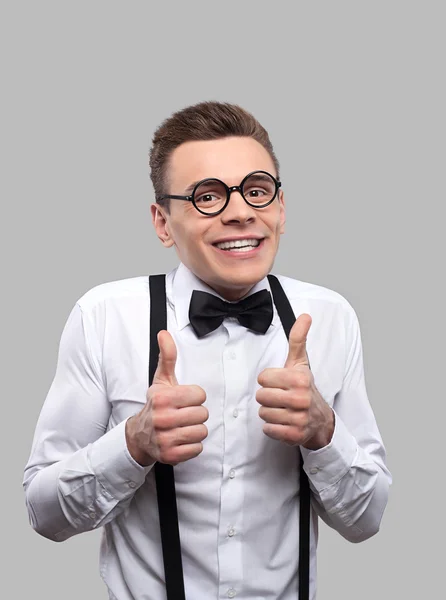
point(116, 469)
point(329, 464)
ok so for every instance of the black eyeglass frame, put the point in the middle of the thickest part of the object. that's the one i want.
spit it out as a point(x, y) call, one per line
point(229, 190)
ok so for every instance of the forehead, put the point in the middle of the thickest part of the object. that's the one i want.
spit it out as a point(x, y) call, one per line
point(228, 159)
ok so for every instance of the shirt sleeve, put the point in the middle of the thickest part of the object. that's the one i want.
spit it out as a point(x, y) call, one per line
point(348, 477)
point(79, 475)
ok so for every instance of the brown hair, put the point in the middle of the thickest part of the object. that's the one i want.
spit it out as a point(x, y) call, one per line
point(203, 121)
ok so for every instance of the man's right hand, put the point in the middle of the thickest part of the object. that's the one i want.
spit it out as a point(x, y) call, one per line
point(170, 427)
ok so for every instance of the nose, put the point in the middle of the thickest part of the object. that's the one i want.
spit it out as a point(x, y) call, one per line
point(237, 210)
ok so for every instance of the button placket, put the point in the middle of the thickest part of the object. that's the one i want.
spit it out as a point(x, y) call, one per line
point(230, 555)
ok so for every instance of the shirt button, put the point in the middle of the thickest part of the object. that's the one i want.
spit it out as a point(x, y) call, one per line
point(235, 413)
point(231, 593)
point(92, 515)
point(232, 473)
point(231, 532)
point(314, 470)
point(132, 484)
point(232, 355)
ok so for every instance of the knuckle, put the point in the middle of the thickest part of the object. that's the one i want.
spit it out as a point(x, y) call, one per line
point(305, 379)
point(157, 399)
point(156, 421)
point(298, 420)
point(164, 440)
point(178, 437)
point(292, 437)
point(292, 442)
point(302, 400)
point(307, 399)
point(304, 419)
point(159, 440)
point(180, 454)
point(161, 420)
point(169, 459)
point(174, 455)
point(301, 379)
point(163, 457)
point(294, 379)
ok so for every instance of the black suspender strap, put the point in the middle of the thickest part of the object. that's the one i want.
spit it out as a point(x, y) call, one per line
point(164, 476)
point(288, 318)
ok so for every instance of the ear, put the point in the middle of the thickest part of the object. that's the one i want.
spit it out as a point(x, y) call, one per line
point(282, 211)
point(160, 221)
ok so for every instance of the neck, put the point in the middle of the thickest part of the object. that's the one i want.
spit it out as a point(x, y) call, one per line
point(231, 294)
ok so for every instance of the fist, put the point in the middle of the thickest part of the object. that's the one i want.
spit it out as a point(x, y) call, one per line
point(170, 428)
point(291, 406)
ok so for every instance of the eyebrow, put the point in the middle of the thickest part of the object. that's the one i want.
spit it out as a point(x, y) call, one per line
point(190, 188)
point(261, 177)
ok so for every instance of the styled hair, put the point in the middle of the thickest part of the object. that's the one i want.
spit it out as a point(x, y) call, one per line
point(200, 122)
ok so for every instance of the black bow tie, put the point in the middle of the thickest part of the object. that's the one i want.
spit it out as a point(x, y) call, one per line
point(206, 312)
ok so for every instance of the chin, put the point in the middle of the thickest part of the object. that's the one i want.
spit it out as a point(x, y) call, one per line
point(240, 276)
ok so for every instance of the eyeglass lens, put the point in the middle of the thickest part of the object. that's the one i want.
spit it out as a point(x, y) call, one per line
point(258, 190)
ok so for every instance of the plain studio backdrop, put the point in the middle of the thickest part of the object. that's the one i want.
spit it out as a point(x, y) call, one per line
point(353, 95)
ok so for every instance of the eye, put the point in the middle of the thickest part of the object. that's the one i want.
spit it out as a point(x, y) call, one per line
point(255, 193)
point(206, 198)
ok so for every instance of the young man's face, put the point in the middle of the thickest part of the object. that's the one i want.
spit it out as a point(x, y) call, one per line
point(230, 273)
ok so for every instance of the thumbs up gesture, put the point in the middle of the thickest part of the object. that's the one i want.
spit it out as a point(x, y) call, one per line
point(291, 406)
point(170, 427)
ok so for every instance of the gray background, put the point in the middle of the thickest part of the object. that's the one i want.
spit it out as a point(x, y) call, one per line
point(353, 95)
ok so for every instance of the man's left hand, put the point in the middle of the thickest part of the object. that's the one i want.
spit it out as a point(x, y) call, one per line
point(291, 406)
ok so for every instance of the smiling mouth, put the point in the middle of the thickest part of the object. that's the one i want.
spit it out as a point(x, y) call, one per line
point(239, 245)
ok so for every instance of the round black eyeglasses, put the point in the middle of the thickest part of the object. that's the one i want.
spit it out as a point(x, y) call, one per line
point(211, 196)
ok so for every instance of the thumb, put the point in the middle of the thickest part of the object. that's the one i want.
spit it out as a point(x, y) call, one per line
point(297, 353)
point(165, 371)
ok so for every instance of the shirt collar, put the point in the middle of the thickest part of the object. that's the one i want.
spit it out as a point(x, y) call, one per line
point(183, 282)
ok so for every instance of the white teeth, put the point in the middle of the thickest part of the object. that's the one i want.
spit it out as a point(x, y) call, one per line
point(248, 243)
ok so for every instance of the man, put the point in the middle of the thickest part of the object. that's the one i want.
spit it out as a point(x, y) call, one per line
point(232, 404)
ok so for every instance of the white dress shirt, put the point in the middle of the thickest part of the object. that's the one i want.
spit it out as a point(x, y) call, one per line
point(238, 501)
